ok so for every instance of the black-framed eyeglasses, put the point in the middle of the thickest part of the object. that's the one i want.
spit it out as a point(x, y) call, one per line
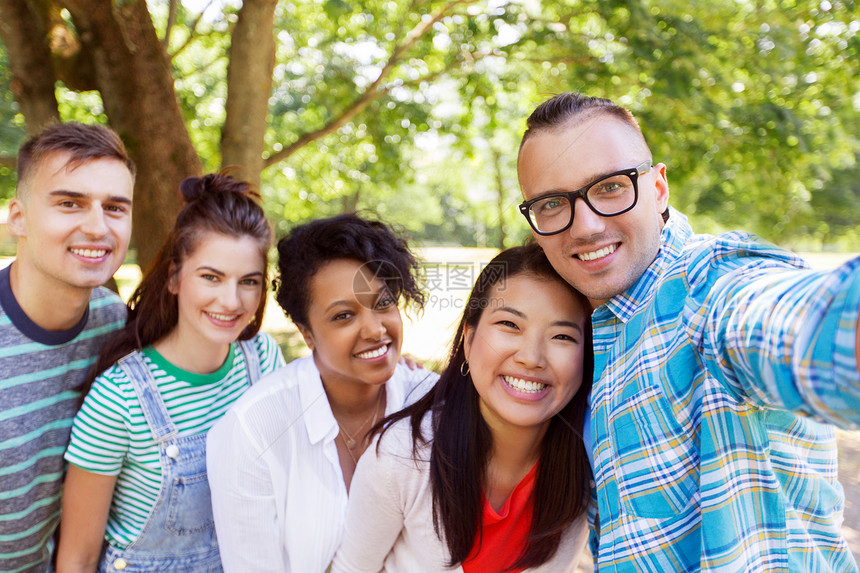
point(608, 196)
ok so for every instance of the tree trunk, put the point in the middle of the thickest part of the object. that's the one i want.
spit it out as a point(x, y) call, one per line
point(249, 85)
point(24, 32)
point(133, 75)
point(501, 204)
point(349, 202)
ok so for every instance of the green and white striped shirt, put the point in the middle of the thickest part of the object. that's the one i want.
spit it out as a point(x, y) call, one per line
point(110, 435)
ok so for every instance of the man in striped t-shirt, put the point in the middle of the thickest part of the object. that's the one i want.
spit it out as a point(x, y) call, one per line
point(72, 220)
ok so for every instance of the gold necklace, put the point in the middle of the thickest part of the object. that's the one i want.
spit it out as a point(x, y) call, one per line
point(351, 442)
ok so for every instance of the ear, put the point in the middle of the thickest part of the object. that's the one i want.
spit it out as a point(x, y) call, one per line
point(468, 335)
point(307, 335)
point(172, 280)
point(17, 218)
point(661, 186)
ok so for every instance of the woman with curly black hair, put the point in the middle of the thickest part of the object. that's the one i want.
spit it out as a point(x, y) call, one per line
point(281, 461)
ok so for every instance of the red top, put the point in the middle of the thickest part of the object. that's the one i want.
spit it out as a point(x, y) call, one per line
point(505, 531)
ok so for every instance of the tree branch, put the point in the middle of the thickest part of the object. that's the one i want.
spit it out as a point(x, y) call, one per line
point(373, 91)
point(171, 20)
point(401, 25)
point(191, 30)
point(202, 69)
point(472, 58)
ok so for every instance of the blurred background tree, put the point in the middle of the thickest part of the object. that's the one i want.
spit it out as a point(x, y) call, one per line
point(414, 109)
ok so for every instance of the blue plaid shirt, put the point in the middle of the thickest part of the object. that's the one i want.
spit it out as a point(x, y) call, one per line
point(717, 376)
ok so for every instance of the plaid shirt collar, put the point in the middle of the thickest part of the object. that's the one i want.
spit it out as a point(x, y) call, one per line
point(676, 233)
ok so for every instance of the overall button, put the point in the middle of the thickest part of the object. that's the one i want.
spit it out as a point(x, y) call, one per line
point(172, 451)
point(120, 564)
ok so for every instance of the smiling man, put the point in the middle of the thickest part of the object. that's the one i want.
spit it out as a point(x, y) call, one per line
point(720, 361)
point(72, 220)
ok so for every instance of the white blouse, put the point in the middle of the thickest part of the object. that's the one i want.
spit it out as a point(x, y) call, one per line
point(278, 493)
point(389, 524)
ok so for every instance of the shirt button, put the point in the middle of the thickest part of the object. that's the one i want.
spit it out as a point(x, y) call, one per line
point(120, 564)
point(172, 451)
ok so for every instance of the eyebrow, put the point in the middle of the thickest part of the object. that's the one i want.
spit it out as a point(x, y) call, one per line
point(79, 195)
point(520, 314)
point(338, 303)
point(383, 290)
point(588, 181)
point(572, 325)
point(213, 270)
point(513, 311)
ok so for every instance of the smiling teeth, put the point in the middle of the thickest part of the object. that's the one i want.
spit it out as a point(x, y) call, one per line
point(223, 317)
point(373, 353)
point(597, 254)
point(90, 253)
point(524, 385)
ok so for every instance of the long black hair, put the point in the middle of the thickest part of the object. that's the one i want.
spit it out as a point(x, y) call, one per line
point(462, 442)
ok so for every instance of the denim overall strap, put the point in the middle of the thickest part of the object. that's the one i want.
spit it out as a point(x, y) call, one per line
point(179, 533)
point(153, 407)
point(252, 360)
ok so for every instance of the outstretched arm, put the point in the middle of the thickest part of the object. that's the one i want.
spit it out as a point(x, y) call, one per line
point(789, 340)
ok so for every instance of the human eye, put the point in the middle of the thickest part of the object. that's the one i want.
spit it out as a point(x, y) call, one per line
point(507, 324)
point(566, 338)
point(609, 187)
point(385, 301)
point(117, 209)
point(209, 277)
point(251, 281)
point(341, 316)
point(68, 204)
point(550, 205)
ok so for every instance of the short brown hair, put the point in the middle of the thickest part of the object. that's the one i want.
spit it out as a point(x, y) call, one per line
point(562, 108)
point(83, 143)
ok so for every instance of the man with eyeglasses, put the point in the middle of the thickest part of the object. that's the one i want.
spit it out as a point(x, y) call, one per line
point(720, 361)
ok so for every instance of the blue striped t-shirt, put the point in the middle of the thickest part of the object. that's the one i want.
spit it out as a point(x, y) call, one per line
point(40, 372)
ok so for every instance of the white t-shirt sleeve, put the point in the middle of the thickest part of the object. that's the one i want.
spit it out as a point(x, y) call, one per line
point(243, 500)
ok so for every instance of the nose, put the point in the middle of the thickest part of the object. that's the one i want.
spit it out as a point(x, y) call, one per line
point(372, 327)
point(229, 296)
point(94, 224)
point(586, 222)
point(530, 353)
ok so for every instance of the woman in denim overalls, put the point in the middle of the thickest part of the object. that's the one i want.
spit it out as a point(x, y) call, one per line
point(137, 495)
